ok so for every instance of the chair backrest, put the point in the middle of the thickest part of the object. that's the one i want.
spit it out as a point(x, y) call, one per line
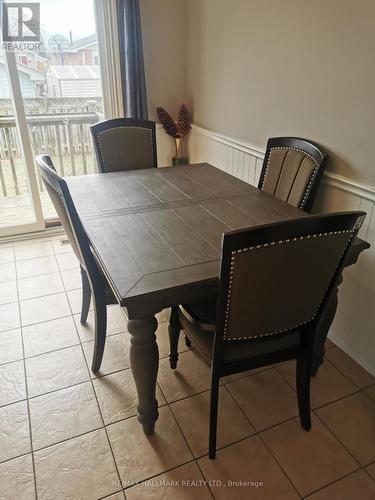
point(124, 144)
point(60, 196)
point(275, 278)
point(292, 170)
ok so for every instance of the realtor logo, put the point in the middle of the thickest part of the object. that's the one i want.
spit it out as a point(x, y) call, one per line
point(21, 23)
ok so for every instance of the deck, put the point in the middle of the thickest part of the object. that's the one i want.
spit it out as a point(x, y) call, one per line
point(17, 210)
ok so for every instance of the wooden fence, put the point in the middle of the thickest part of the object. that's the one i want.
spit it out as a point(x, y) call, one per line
point(65, 137)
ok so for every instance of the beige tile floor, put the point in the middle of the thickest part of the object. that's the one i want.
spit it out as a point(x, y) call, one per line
point(65, 433)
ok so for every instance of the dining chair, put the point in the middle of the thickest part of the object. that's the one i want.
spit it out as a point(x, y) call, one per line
point(274, 281)
point(124, 144)
point(94, 284)
point(292, 170)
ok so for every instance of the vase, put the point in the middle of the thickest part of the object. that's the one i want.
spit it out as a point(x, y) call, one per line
point(179, 159)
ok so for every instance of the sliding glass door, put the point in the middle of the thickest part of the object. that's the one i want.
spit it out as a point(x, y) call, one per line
point(57, 91)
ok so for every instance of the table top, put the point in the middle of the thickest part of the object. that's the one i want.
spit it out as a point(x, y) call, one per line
point(157, 233)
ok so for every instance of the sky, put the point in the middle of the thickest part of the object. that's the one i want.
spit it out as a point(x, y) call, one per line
point(60, 16)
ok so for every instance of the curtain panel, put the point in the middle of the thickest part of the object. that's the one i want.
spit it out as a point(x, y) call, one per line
point(121, 58)
point(131, 59)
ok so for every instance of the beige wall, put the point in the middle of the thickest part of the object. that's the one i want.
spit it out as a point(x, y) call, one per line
point(262, 68)
point(164, 44)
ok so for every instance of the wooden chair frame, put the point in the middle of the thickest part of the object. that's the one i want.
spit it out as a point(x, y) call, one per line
point(94, 283)
point(310, 149)
point(113, 123)
point(241, 239)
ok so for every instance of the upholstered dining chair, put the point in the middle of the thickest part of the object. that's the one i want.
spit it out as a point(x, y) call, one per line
point(274, 281)
point(292, 170)
point(124, 144)
point(94, 284)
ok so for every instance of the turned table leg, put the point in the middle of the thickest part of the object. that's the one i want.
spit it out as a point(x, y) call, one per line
point(144, 360)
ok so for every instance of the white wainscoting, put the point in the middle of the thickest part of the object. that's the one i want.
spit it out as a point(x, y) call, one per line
point(354, 326)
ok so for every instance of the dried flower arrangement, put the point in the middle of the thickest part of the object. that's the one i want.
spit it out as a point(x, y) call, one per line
point(178, 130)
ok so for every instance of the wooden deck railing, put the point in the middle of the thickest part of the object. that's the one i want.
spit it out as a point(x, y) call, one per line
point(65, 137)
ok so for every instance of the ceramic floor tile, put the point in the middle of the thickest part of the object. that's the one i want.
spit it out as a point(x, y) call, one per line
point(184, 483)
point(44, 309)
point(265, 398)
point(370, 469)
point(117, 396)
point(37, 286)
point(311, 459)
point(235, 376)
point(32, 250)
point(138, 456)
point(116, 323)
point(36, 267)
point(58, 247)
point(14, 434)
point(49, 336)
point(191, 376)
point(72, 279)
point(162, 339)
point(116, 354)
point(10, 346)
point(75, 301)
point(370, 392)
point(17, 479)
point(327, 385)
point(12, 383)
point(248, 461)
point(357, 485)
point(63, 414)
point(8, 292)
point(81, 468)
point(193, 416)
point(352, 420)
point(7, 272)
point(164, 315)
point(67, 261)
point(6, 255)
point(55, 370)
point(360, 377)
point(328, 344)
point(117, 496)
point(9, 317)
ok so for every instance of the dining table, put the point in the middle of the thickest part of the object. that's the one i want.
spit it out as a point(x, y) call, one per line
point(156, 235)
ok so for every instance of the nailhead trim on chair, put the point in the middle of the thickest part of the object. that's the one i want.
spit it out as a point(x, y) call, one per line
point(119, 128)
point(272, 243)
point(308, 187)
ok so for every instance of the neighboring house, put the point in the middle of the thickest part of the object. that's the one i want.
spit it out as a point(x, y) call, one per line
point(32, 82)
point(82, 52)
point(73, 81)
point(33, 60)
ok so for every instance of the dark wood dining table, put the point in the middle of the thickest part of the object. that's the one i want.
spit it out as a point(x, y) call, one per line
point(156, 234)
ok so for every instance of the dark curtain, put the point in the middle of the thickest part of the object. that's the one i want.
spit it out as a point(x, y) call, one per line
point(131, 58)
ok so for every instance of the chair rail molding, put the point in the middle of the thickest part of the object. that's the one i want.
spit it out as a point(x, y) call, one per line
point(353, 327)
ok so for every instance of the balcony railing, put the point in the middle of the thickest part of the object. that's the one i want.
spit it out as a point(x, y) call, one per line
point(65, 137)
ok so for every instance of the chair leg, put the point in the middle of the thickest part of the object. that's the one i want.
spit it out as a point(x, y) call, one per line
point(86, 296)
point(213, 416)
point(187, 341)
point(303, 391)
point(100, 313)
point(174, 329)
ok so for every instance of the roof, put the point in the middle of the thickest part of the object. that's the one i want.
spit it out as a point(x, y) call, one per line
point(74, 72)
point(82, 43)
point(33, 73)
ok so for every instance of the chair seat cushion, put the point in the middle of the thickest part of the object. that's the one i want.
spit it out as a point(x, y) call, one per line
point(198, 320)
